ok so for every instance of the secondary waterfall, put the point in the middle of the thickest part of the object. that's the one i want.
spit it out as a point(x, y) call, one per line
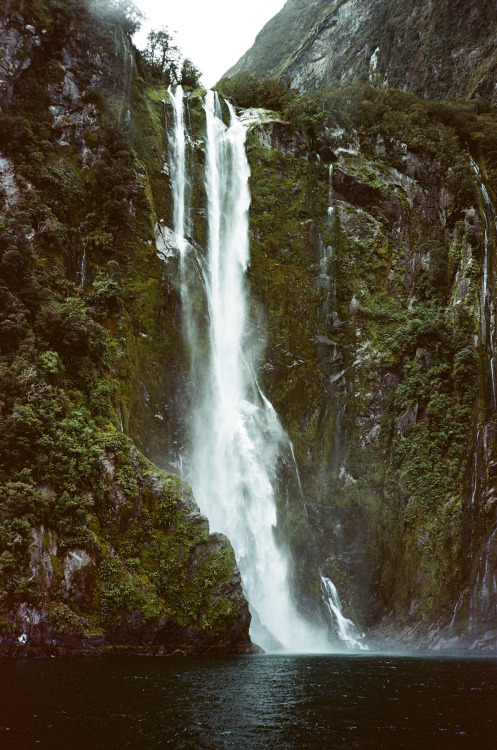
point(347, 631)
point(237, 440)
point(487, 333)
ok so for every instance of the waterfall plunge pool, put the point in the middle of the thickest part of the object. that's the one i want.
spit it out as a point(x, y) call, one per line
point(250, 702)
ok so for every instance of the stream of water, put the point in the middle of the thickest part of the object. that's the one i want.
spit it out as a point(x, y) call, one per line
point(487, 332)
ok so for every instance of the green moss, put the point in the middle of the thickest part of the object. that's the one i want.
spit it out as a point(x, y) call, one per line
point(79, 359)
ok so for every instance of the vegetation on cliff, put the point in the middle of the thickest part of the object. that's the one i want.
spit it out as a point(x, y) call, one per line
point(367, 254)
point(95, 542)
point(367, 260)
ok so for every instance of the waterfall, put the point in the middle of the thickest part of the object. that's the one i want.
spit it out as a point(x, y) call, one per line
point(177, 159)
point(330, 189)
point(82, 269)
point(191, 263)
point(487, 336)
point(474, 489)
point(237, 439)
point(347, 631)
point(483, 600)
point(128, 73)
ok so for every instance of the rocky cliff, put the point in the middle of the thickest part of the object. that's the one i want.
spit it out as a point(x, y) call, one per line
point(98, 547)
point(434, 49)
point(373, 241)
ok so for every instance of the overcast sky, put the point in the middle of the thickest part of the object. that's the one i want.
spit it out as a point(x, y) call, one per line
point(214, 34)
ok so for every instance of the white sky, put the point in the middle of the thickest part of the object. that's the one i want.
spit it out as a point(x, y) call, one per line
point(214, 34)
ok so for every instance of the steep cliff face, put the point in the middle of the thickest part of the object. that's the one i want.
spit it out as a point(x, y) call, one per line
point(373, 241)
point(98, 547)
point(434, 49)
point(374, 266)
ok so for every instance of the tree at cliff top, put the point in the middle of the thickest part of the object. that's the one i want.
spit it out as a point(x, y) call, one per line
point(125, 12)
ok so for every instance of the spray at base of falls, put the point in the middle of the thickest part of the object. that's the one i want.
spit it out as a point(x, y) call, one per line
point(237, 440)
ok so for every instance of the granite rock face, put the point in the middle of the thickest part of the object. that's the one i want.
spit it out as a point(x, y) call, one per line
point(433, 49)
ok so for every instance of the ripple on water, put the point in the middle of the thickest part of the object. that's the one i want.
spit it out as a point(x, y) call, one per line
point(250, 703)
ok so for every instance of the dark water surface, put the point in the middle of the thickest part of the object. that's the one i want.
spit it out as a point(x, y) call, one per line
point(270, 702)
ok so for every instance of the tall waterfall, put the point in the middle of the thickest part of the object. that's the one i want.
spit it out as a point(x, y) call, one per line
point(178, 167)
point(237, 439)
point(487, 332)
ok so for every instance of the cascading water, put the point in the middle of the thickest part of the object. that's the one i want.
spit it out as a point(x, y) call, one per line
point(483, 600)
point(178, 168)
point(237, 438)
point(345, 628)
point(487, 335)
point(82, 268)
point(189, 260)
point(128, 72)
point(347, 631)
point(474, 489)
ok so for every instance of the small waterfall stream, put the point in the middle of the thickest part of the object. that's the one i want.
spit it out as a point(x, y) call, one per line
point(483, 600)
point(345, 628)
point(486, 316)
point(82, 269)
point(128, 73)
point(483, 597)
point(347, 631)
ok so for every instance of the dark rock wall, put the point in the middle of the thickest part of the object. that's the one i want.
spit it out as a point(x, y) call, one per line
point(98, 547)
point(369, 269)
point(435, 49)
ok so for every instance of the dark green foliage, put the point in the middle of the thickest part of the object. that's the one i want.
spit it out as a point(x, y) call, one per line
point(163, 58)
point(249, 91)
point(440, 380)
point(68, 328)
point(123, 12)
point(423, 126)
point(190, 75)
